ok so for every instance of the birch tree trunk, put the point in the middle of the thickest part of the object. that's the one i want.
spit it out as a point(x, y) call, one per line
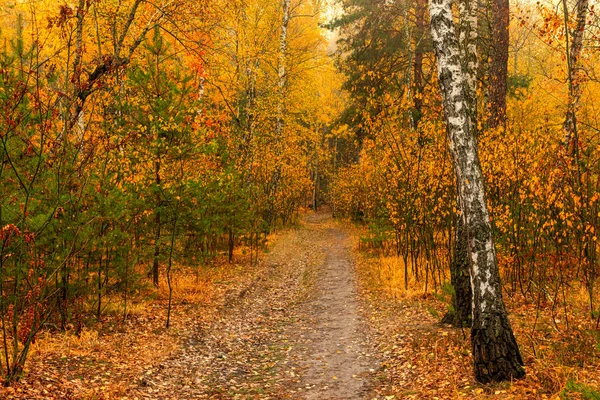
point(495, 350)
point(460, 277)
point(574, 72)
point(459, 268)
point(281, 70)
point(281, 83)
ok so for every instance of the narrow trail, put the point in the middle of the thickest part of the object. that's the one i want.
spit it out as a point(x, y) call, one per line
point(332, 342)
point(294, 332)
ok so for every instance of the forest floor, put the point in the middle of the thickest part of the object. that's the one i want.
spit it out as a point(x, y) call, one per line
point(290, 327)
point(307, 322)
point(294, 332)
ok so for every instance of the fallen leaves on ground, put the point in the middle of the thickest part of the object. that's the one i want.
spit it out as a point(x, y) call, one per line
point(423, 359)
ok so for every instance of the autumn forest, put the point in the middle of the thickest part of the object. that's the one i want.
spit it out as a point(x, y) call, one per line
point(299, 199)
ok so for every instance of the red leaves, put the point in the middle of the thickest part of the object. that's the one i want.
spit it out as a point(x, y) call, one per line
point(7, 232)
point(27, 321)
point(29, 237)
point(198, 66)
point(64, 14)
point(10, 231)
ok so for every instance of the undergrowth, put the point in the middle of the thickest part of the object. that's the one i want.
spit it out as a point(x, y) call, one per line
point(559, 341)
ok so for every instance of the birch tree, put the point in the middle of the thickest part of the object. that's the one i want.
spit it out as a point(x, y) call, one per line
point(495, 350)
point(281, 83)
point(459, 267)
point(574, 72)
point(460, 262)
point(281, 72)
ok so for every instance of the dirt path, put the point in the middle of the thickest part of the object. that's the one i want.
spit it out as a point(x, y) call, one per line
point(294, 332)
point(332, 342)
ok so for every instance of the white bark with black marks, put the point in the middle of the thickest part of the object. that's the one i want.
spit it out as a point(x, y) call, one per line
point(574, 69)
point(495, 351)
point(468, 49)
point(279, 122)
point(281, 70)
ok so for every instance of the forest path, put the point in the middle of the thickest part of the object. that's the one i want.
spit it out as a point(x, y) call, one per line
point(331, 342)
point(294, 332)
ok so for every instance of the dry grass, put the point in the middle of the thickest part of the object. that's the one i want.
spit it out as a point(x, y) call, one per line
point(388, 275)
point(197, 285)
point(66, 344)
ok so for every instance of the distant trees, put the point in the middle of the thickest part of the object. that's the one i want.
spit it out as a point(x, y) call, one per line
point(386, 54)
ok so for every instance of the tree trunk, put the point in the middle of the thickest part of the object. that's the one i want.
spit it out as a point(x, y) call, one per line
point(315, 193)
point(459, 267)
point(499, 64)
point(169, 267)
point(281, 70)
point(417, 112)
point(495, 350)
point(157, 222)
point(279, 123)
point(231, 243)
point(574, 74)
point(459, 277)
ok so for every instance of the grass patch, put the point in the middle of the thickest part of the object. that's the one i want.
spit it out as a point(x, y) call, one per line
point(580, 390)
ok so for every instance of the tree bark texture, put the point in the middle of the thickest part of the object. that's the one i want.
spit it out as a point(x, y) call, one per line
point(499, 64)
point(460, 279)
point(467, 46)
point(459, 270)
point(574, 71)
point(281, 70)
point(279, 123)
point(496, 354)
